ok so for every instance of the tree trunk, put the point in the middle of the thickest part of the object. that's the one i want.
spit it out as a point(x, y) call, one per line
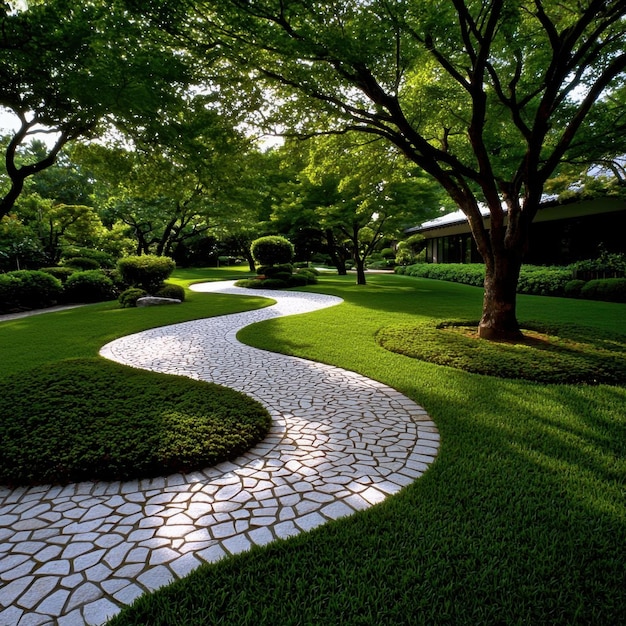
point(360, 270)
point(499, 318)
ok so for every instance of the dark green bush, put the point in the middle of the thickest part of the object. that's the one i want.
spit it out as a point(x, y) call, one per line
point(249, 283)
point(82, 263)
point(89, 286)
point(281, 276)
point(171, 291)
point(607, 265)
point(128, 298)
point(89, 419)
point(28, 289)
point(300, 280)
point(309, 270)
point(607, 289)
point(147, 271)
point(469, 274)
point(543, 281)
point(62, 273)
point(572, 288)
point(270, 271)
point(103, 259)
point(273, 283)
point(272, 250)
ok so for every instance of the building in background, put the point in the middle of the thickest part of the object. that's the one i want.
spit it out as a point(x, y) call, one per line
point(560, 234)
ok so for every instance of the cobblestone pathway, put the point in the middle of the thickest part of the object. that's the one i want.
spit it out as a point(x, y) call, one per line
point(339, 443)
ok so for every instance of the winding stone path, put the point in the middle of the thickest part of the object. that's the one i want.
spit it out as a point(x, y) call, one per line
point(339, 443)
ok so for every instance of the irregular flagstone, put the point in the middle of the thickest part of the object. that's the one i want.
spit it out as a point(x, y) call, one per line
point(339, 443)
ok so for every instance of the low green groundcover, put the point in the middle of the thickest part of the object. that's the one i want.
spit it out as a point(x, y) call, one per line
point(565, 354)
point(84, 419)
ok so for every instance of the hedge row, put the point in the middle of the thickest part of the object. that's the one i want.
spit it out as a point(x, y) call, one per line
point(533, 280)
point(35, 289)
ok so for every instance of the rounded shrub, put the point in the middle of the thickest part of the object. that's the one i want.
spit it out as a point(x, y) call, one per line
point(89, 286)
point(171, 291)
point(28, 289)
point(82, 263)
point(129, 297)
point(271, 271)
point(272, 250)
point(273, 283)
point(607, 289)
point(147, 271)
point(310, 270)
point(299, 280)
point(62, 273)
point(572, 288)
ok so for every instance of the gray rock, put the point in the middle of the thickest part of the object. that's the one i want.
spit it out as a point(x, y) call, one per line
point(154, 301)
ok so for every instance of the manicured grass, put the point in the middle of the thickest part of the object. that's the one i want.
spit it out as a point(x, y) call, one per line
point(521, 519)
point(67, 415)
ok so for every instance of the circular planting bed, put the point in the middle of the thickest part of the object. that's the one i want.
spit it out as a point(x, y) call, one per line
point(92, 419)
point(548, 354)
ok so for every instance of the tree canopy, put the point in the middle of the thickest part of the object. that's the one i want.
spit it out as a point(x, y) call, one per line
point(71, 69)
point(489, 98)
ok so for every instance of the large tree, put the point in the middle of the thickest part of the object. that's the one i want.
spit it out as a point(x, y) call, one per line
point(70, 69)
point(487, 96)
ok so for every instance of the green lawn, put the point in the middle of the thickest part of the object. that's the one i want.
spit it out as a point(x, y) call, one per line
point(521, 519)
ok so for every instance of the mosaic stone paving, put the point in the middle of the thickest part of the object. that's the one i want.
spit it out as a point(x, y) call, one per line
point(339, 443)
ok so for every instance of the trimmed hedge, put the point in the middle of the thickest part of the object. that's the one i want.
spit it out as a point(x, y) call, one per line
point(272, 250)
point(146, 272)
point(82, 263)
point(89, 286)
point(608, 289)
point(533, 280)
point(28, 289)
point(62, 273)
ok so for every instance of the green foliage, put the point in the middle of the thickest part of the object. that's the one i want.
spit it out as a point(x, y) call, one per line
point(273, 283)
point(82, 263)
point(103, 259)
point(466, 273)
point(543, 281)
point(129, 297)
point(272, 250)
point(300, 280)
point(534, 280)
point(270, 271)
point(565, 355)
point(28, 289)
point(147, 271)
point(608, 289)
point(90, 419)
point(171, 291)
point(607, 265)
point(572, 288)
point(89, 286)
point(62, 273)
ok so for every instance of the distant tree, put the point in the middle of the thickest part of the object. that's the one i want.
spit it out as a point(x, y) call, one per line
point(71, 69)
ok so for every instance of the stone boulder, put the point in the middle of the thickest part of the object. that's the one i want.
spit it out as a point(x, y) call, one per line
point(156, 301)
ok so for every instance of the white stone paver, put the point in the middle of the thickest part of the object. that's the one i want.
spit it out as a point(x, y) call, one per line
point(339, 443)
